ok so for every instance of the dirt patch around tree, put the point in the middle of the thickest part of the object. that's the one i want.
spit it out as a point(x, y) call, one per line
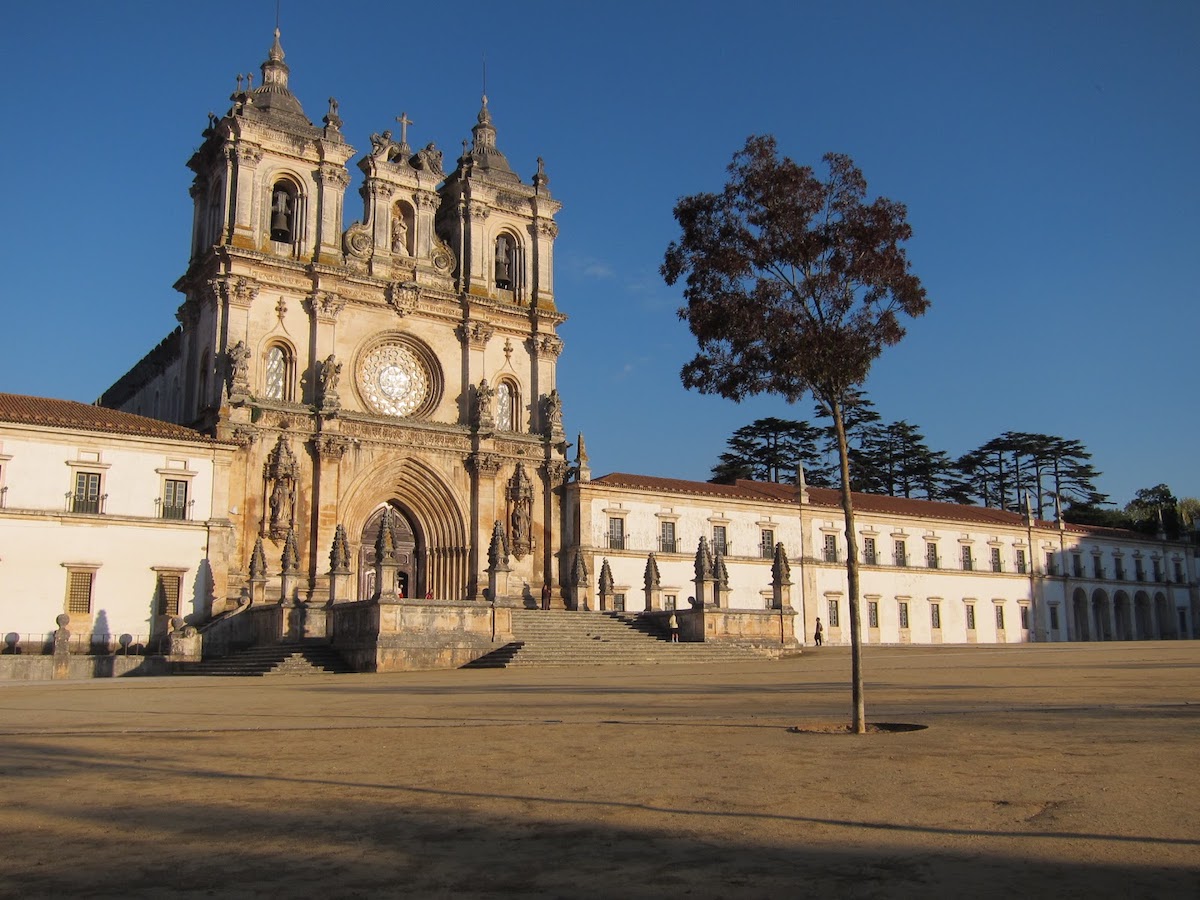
point(1064, 769)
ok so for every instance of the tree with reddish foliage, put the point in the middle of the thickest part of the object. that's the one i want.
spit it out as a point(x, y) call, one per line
point(794, 285)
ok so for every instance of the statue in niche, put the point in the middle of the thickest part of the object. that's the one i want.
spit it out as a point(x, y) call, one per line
point(282, 495)
point(399, 232)
point(485, 398)
point(331, 373)
point(280, 474)
point(520, 524)
point(239, 368)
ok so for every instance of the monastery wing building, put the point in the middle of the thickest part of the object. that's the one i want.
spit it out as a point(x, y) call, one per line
point(354, 436)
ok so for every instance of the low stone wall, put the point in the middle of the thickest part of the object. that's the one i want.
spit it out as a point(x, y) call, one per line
point(408, 635)
point(773, 629)
point(19, 667)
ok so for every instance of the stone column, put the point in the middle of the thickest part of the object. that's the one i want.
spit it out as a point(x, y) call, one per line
point(704, 573)
point(258, 574)
point(781, 579)
point(606, 584)
point(62, 647)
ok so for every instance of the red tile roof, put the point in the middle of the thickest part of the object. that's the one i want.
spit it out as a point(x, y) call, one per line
point(45, 411)
point(831, 498)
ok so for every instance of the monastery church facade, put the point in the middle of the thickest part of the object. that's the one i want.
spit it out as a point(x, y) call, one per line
point(404, 364)
point(355, 435)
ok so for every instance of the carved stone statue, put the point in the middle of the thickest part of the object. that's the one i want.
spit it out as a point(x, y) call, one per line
point(399, 233)
point(239, 368)
point(428, 159)
point(381, 145)
point(520, 524)
point(503, 275)
point(485, 401)
point(554, 411)
point(331, 373)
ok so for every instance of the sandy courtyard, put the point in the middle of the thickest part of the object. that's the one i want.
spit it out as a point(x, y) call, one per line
point(1059, 770)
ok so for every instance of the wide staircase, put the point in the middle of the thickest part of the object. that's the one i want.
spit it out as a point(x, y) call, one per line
point(277, 659)
point(567, 638)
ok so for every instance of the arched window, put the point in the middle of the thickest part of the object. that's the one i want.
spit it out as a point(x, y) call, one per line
point(277, 374)
point(506, 406)
point(507, 263)
point(284, 209)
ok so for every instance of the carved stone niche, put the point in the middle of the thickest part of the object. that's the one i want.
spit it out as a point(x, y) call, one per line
point(520, 508)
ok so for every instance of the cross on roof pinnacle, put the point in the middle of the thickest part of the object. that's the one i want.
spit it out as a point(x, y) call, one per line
point(404, 121)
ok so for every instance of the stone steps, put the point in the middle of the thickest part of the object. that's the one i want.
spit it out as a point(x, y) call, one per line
point(278, 659)
point(568, 638)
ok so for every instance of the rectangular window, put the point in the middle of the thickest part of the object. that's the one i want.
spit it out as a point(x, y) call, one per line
point(970, 617)
point(668, 601)
point(1157, 570)
point(1139, 571)
point(667, 541)
point(1050, 569)
point(931, 557)
point(869, 551)
point(873, 613)
point(967, 563)
point(1097, 567)
point(79, 592)
point(935, 616)
point(997, 566)
point(999, 618)
point(831, 548)
point(1077, 565)
point(167, 595)
point(1119, 569)
point(1054, 617)
point(86, 498)
point(720, 544)
point(901, 551)
point(903, 614)
point(616, 534)
point(174, 504)
point(767, 544)
point(1021, 561)
point(833, 612)
point(1178, 572)
point(1024, 617)
point(619, 602)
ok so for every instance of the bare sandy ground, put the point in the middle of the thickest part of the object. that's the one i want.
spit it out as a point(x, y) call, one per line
point(1066, 771)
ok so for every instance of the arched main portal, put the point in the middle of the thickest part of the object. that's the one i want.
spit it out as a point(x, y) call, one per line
point(410, 570)
point(428, 503)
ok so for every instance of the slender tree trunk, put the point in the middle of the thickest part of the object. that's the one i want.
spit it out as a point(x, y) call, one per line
point(859, 720)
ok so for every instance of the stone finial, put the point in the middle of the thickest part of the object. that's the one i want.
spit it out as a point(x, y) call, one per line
point(583, 471)
point(498, 549)
point(801, 484)
point(781, 570)
point(720, 572)
point(651, 576)
point(385, 540)
point(290, 562)
point(332, 120)
point(339, 553)
point(704, 560)
point(579, 571)
point(258, 562)
point(606, 579)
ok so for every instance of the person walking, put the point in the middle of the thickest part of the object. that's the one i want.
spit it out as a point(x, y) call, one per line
point(818, 634)
point(673, 627)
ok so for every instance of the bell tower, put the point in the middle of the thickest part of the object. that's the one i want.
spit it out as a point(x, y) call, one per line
point(267, 179)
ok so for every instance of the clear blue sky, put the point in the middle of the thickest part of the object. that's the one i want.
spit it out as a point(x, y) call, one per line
point(1048, 154)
